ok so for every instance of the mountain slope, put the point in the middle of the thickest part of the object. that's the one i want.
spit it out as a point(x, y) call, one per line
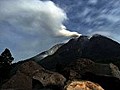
point(47, 53)
point(98, 48)
point(101, 47)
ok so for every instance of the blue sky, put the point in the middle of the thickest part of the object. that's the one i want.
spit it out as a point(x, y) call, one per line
point(93, 16)
point(28, 27)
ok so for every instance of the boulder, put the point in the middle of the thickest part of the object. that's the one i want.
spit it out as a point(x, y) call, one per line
point(29, 71)
point(85, 69)
point(18, 82)
point(83, 85)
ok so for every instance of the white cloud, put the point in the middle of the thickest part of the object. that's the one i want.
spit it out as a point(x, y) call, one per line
point(28, 27)
point(112, 18)
point(93, 1)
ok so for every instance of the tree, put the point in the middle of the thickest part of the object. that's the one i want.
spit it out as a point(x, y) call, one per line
point(5, 64)
point(6, 57)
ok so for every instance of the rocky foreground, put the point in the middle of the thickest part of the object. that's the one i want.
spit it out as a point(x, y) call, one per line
point(81, 75)
point(74, 66)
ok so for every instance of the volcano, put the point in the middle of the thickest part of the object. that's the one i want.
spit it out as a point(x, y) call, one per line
point(85, 59)
point(97, 48)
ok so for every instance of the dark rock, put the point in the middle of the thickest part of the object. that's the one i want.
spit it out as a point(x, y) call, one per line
point(82, 66)
point(115, 70)
point(29, 71)
point(18, 82)
point(85, 69)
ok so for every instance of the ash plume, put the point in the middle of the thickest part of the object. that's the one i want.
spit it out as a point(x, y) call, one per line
point(30, 26)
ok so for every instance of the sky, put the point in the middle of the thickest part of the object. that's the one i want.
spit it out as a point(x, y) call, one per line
point(28, 27)
point(93, 16)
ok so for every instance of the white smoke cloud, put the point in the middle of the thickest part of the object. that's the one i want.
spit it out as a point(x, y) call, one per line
point(28, 27)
